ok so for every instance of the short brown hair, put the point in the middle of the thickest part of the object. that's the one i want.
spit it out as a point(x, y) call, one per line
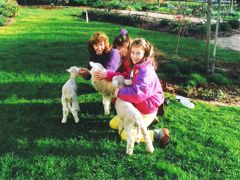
point(97, 38)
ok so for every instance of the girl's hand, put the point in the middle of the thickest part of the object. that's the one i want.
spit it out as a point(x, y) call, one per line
point(116, 92)
point(100, 74)
point(83, 72)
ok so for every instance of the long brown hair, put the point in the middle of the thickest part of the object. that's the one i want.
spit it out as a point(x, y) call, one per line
point(148, 50)
point(97, 38)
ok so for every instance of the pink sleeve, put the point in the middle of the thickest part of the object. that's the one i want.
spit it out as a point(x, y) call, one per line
point(138, 91)
point(111, 74)
point(132, 94)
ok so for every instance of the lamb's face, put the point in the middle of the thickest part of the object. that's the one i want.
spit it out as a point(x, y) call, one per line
point(73, 71)
point(118, 81)
point(95, 67)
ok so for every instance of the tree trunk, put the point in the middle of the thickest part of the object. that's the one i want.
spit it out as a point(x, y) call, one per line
point(209, 10)
point(231, 5)
point(213, 62)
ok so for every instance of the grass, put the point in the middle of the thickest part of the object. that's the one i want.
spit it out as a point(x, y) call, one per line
point(35, 51)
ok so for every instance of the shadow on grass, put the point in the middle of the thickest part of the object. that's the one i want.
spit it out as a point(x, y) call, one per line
point(39, 90)
point(32, 122)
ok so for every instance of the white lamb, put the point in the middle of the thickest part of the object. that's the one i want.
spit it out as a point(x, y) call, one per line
point(69, 96)
point(103, 86)
point(130, 118)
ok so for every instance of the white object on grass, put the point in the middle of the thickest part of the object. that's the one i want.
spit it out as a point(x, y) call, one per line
point(185, 102)
point(86, 16)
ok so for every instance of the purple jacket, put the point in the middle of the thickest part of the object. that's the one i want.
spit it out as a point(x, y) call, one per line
point(146, 92)
point(111, 60)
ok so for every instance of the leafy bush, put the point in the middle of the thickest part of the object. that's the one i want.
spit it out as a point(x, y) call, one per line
point(183, 66)
point(79, 2)
point(46, 2)
point(163, 23)
point(235, 24)
point(196, 79)
point(170, 68)
point(8, 8)
point(131, 20)
point(198, 67)
point(224, 26)
point(211, 94)
point(2, 20)
point(221, 79)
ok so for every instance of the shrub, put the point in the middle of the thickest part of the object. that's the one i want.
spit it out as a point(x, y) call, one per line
point(8, 8)
point(163, 23)
point(79, 2)
point(196, 79)
point(170, 68)
point(183, 66)
point(201, 29)
point(221, 79)
point(137, 6)
point(2, 20)
point(211, 94)
point(45, 2)
point(225, 27)
point(198, 67)
point(235, 24)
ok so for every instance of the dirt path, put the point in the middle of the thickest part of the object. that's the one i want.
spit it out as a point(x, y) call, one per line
point(232, 42)
point(161, 16)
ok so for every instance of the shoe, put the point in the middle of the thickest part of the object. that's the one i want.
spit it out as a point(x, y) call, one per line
point(166, 138)
point(155, 120)
point(163, 136)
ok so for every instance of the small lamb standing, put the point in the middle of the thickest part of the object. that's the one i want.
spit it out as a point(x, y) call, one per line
point(103, 86)
point(69, 96)
point(130, 118)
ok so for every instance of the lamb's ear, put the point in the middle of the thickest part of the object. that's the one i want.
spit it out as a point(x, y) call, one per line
point(68, 70)
point(92, 64)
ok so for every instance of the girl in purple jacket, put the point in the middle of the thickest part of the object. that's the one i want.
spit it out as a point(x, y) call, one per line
point(146, 92)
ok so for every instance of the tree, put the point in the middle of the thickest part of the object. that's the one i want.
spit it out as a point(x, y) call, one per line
point(209, 11)
point(231, 5)
point(215, 39)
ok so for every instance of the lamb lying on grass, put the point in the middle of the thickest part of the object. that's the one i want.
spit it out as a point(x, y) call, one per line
point(103, 86)
point(129, 119)
point(69, 96)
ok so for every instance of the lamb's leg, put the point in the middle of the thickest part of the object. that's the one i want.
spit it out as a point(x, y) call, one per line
point(139, 135)
point(106, 104)
point(146, 136)
point(65, 110)
point(130, 139)
point(75, 109)
point(120, 126)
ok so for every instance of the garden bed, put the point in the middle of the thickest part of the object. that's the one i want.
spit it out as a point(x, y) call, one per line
point(220, 88)
point(189, 27)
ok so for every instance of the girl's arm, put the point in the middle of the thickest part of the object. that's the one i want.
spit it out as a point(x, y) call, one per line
point(111, 74)
point(138, 91)
point(114, 60)
point(108, 75)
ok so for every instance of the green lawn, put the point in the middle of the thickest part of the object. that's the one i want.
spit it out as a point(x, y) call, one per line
point(34, 53)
